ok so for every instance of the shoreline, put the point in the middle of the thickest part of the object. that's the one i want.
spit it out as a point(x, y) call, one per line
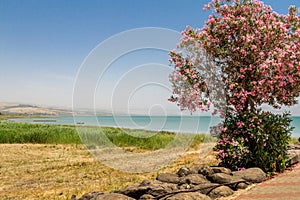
point(132, 122)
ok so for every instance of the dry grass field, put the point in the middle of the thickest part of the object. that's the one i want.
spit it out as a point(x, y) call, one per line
point(54, 171)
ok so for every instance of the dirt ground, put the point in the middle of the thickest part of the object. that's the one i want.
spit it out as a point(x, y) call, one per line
point(43, 171)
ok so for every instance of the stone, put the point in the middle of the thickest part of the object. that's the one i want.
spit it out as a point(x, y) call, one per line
point(206, 171)
point(184, 187)
point(297, 144)
point(194, 170)
point(253, 175)
point(183, 171)
point(104, 196)
point(241, 186)
point(134, 191)
point(168, 178)
point(294, 146)
point(154, 188)
point(294, 153)
point(113, 196)
point(147, 197)
point(294, 156)
point(221, 170)
point(189, 196)
point(224, 178)
point(205, 188)
point(189, 183)
point(91, 196)
point(222, 191)
point(195, 179)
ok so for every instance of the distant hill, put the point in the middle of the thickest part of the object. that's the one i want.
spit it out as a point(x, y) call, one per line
point(15, 108)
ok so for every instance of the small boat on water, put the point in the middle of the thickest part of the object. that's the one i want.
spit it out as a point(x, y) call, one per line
point(79, 123)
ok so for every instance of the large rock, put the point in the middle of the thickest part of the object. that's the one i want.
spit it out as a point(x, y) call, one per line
point(221, 170)
point(206, 171)
point(189, 196)
point(205, 188)
point(294, 146)
point(294, 156)
point(147, 197)
point(168, 178)
point(104, 196)
point(89, 196)
point(113, 196)
point(194, 170)
point(253, 175)
point(241, 186)
point(224, 178)
point(222, 191)
point(154, 188)
point(194, 179)
point(183, 171)
point(294, 153)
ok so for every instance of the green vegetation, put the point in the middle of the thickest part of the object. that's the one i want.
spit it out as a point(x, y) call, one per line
point(13, 132)
point(57, 166)
point(142, 139)
point(261, 141)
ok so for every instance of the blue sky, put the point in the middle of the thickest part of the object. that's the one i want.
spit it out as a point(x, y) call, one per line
point(44, 43)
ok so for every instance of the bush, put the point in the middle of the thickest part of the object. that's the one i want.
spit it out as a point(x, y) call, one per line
point(255, 140)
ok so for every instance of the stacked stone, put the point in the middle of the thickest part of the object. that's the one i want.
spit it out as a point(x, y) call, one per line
point(201, 183)
point(196, 183)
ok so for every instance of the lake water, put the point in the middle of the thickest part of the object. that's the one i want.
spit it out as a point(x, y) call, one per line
point(183, 124)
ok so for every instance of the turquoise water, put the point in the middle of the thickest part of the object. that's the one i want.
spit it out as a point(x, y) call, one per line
point(183, 124)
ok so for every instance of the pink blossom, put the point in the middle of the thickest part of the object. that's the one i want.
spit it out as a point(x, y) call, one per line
point(254, 47)
point(211, 20)
point(240, 124)
point(262, 54)
point(268, 50)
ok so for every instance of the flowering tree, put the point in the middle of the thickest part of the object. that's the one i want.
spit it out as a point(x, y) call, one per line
point(251, 56)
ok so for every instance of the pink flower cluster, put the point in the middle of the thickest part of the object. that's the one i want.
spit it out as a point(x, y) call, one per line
point(260, 51)
point(257, 51)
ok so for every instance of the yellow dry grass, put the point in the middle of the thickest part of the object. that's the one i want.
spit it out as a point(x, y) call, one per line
point(44, 171)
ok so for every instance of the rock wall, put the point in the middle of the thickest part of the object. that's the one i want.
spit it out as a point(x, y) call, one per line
point(189, 183)
point(196, 183)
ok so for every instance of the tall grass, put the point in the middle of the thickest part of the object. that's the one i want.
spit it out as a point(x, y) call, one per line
point(14, 132)
point(138, 138)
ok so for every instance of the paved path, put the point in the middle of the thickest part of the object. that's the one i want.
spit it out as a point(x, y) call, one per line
point(285, 186)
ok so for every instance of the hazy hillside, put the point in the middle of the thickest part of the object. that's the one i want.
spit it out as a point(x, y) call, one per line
point(15, 108)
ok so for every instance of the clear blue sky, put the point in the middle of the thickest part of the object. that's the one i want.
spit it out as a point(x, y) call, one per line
point(44, 42)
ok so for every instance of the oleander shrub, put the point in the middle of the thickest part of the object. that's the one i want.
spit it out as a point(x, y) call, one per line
point(255, 140)
point(246, 55)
